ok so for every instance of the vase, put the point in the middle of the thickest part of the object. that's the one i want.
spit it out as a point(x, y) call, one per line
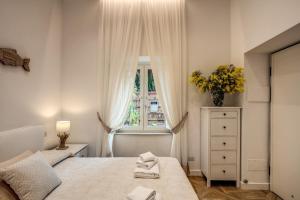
point(217, 97)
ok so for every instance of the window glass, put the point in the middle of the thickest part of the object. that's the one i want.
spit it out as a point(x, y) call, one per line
point(144, 112)
point(133, 118)
point(155, 116)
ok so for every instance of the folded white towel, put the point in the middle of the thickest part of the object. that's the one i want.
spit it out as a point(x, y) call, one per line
point(148, 156)
point(142, 193)
point(146, 165)
point(147, 173)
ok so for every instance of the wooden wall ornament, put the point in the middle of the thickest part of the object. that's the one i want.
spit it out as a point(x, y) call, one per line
point(12, 58)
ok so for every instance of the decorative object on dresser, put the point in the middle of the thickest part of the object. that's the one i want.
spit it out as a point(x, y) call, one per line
point(10, 57)
point(220, 144)
point(63, 132)
point(226, 79)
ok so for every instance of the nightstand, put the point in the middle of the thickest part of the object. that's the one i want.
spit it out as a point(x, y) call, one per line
point(78, 150)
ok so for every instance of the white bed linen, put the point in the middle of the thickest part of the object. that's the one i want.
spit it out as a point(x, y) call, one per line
point(113, 179)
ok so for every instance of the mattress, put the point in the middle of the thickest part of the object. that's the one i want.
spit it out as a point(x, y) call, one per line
point(113, 179)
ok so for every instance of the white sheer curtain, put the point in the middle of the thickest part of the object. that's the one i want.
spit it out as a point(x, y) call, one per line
point(119, 47)
point(164, 22)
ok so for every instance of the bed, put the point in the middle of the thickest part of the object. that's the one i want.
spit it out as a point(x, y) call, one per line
point(99, 178)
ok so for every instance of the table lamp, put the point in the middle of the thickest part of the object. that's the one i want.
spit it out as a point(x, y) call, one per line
point(63, 132)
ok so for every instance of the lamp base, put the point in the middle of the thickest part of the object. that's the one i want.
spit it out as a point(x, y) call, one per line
point(61, 148)
point(62, 143)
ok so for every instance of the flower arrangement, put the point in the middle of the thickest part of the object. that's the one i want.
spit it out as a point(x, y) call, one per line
point(226, 79)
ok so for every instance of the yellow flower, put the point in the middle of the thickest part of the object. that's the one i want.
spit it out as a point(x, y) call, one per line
point(226, 78)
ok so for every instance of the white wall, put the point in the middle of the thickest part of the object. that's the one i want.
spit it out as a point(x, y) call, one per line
point(208, 36)
point(253, 23)
point(133, 145)
point(237, 46)
point(79, 80)
point(263, 20)
point(208, 40)
point(33, 28)
point(255, 123)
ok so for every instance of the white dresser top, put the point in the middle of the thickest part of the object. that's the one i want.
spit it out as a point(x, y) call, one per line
point(74, 148)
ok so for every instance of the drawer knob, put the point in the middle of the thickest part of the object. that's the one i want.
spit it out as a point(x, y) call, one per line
point(224, 127)
point(224, 157)
point(224, 143)
point(224, 114)
point(224, 171)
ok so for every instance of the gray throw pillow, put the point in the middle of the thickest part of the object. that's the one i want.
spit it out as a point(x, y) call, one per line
point(31, 178)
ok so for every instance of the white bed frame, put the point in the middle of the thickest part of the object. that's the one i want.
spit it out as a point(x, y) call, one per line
point(16, 141)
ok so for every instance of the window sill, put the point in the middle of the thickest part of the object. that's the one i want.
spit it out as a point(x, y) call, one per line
point(143, 133)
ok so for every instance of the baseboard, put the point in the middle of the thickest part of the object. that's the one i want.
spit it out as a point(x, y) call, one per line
point(195, 172)
point(255, 186)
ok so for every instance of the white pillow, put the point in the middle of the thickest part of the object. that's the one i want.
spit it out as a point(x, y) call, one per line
point(15, 159)
point(31, 178)
point(6, 193)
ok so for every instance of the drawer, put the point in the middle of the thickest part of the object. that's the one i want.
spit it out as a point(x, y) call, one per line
point(223, 143)
point(225, 114)
point(223, 172)
point(223, 157)
point(224, 126)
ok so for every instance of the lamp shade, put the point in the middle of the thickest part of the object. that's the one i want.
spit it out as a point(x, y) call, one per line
point(63, 127)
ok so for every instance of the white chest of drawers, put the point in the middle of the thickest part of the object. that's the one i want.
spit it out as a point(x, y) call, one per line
point(220, 143)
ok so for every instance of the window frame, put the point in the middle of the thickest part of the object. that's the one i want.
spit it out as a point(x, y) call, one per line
point(143, 127)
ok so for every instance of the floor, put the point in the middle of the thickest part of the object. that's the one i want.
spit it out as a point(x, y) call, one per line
point(222, 191)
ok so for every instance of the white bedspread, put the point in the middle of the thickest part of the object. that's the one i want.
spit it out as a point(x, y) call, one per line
point(113, 179)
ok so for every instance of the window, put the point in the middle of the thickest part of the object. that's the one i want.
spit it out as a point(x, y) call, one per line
point(145, 112)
